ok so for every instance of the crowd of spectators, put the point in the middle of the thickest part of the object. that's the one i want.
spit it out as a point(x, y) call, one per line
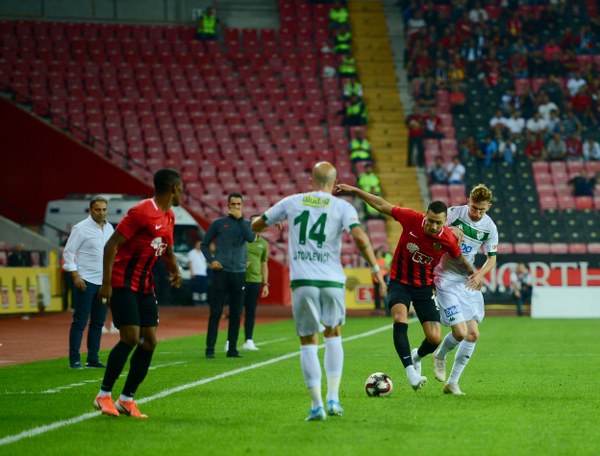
point(541, 59)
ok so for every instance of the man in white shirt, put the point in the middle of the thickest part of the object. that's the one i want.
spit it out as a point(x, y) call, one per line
point(515, 124)
point(575, 83)
point(199, 274)
point(456, 171)
point(591, 150)
point(537, 125)
point(83, 256)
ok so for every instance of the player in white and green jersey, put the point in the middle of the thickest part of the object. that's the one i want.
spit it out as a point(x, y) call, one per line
point(460, 307)
point(316, 221)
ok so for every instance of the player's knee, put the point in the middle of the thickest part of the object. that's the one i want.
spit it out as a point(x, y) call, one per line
point(459, 334)
point(472, 336)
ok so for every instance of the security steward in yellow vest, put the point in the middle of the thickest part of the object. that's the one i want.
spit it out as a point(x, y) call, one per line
point(360, 148)
point(369, 182)
point(342, 41)
point(355, 113)
point(347, 68)
point(338, 15)
point(207, 25)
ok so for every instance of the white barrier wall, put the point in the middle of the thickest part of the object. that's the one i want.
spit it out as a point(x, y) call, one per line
point(565, 302)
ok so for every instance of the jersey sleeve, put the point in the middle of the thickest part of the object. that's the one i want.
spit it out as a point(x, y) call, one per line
point(170, 237)
point(131, 223)
point(349, 216)
point(277, 212)
point(491, 245)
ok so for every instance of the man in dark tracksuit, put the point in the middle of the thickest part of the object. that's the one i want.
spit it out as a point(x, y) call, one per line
point(228, 264)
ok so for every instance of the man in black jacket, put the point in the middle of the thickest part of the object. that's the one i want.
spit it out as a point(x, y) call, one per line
point(228, 264)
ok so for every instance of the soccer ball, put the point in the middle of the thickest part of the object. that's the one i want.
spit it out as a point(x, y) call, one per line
point(379, 385)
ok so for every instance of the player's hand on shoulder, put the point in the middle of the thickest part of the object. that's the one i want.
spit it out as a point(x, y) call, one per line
point(457, 232)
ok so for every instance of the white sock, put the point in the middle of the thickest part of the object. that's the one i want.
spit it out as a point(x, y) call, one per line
point(311, 369)
point(462, 358)
point(447, 345)
point(103, 393)
point(334, 362)
point(125, 398)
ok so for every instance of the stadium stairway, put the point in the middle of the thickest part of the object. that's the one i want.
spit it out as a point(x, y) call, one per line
point(385, 129)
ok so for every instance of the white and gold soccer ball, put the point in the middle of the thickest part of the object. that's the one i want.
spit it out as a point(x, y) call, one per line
point(379, 385)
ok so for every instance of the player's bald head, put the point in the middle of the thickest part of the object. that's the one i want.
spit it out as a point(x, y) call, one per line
point(324, 173)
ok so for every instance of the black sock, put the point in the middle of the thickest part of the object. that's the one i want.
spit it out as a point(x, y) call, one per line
point(116, 361)
point(138, 368)
point(401, 343)
point(426, 348)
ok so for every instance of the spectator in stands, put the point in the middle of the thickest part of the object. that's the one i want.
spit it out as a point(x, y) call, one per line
point(437, 172)
point(586, 40)
point(521, 284)
point(507, 150)
point(582, 184)
point(369, 182)
point(489, 151)
point(427, 97)
point(19, 257)
point(456, 70)
point(574, 147)
point(575, 83)
point(556, 148)
point(537, 125)
point(535, 150)
point(570, 64)
point(527, 101)
point(582, 107)
point(515, 125)
point(352, 88)
point(440, 73)
point(514, 26)
point(432, 123)
point(518, 65)
point(498, 123)
point(546, 106)
point(555, 92)
point(416, 130)
point(553, 123)
point(419, 64)
point(415, 24)
point(207, 25)
point(342, 40)
point(570, 124)
point(591, 150)
point(469, 150)
point(456, 171)
point(360, 147)
point(338, 15)
point(457, 99)
point(478, 14)
point(355, 112)
point(553, 56)
point(347, 67)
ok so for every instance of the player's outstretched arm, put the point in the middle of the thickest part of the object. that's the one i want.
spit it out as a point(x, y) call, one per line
point(364, 246)
point(374, 201)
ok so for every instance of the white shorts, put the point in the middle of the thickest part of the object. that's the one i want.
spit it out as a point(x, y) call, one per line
point(456, 303)
point(312, 305)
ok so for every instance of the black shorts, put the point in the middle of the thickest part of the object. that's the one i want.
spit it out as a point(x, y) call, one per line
point(422, 299)
point(131, 308)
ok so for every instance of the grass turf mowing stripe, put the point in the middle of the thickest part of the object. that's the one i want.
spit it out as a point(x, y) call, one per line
point(59, 424)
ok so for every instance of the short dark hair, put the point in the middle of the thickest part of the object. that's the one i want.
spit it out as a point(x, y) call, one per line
point(235, 195)
point(97, 198)
point(165, 179)
point(437, 207)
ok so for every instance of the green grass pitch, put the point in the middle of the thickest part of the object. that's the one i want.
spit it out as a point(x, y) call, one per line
point(531, 389)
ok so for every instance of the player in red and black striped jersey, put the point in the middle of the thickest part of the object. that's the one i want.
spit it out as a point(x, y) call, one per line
point(143, 236)
point(423, 242)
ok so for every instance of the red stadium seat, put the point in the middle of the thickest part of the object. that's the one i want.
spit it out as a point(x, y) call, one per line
point(577, 248)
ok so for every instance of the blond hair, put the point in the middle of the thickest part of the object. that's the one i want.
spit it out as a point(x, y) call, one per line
point(480, 194)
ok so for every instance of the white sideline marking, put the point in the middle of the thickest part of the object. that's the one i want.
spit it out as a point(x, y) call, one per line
point(58, 389)
point(272, 341)
point(86, 416)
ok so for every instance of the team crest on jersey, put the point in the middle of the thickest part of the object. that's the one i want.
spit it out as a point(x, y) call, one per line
point(480, 235)
point(437, 246)
point(158, 245)
point(418, 257)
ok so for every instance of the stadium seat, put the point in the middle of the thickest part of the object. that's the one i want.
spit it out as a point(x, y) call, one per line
point(577, 248)
point(522, 248)
point(540, 248)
